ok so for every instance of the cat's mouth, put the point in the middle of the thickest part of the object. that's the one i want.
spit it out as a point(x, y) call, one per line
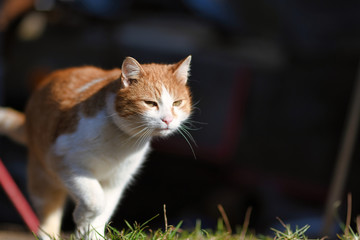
point(163, 131)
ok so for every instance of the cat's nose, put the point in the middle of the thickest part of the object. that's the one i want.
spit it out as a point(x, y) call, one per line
point(167, 119)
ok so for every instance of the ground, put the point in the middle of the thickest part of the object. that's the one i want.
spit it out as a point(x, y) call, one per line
point(12, 235)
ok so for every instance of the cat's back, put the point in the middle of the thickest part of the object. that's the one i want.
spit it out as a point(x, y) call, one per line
point(53, 107)
point(70, 86)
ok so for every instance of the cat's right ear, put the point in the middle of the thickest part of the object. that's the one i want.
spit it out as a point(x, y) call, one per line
point(182, 69)
point(131, 71)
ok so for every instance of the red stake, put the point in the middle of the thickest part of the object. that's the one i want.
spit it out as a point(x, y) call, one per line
point(18, 199)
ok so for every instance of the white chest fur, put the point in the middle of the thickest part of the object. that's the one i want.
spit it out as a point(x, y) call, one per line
point(101, 148)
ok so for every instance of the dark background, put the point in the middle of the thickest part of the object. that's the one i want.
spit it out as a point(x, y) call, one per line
point(272, 80)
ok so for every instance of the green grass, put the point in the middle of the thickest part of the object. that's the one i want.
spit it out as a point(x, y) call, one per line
point(289, 234)
point(143, 232)
point(137, 231)
point(223, 231)
point(351, 235)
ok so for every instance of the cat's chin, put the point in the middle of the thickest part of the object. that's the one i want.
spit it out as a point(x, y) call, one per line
point(163, 132)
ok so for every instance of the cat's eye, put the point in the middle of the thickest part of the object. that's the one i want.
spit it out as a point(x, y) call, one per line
point(151, 103)
point(177, 103)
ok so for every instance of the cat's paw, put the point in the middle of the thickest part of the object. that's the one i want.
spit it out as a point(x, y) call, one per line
point(89, 233)
point(44, 236)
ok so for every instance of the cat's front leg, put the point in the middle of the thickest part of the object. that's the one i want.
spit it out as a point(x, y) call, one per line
point(90, 203)
point(112, 196)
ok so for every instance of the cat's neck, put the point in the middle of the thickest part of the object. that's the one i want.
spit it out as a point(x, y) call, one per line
point(120, 123)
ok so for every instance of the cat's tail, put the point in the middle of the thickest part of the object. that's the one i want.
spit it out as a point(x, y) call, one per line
point(12, 124)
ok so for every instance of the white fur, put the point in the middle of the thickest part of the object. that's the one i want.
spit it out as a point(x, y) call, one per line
point(100, 161)
point(166, 103)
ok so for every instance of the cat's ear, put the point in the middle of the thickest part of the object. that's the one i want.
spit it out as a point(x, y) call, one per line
point(131, 71)
point(182, 69)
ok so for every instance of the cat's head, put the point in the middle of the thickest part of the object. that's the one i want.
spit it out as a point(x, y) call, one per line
point(154, 99)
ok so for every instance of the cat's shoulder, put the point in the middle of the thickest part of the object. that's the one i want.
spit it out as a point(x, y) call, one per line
point(70, 86)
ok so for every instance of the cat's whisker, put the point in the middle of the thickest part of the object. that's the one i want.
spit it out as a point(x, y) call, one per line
point(196, 109)
point(195, 103)
point(147, 136)
point(111, 115)
point(197, 122)
point(194, 106)
point(192, 149)
point(189, 135)
point(139, 132)
point(131, 138)
point(191, 124)
point(191, 127)
point(144, 138)
point(140, 138)
point(140, 126)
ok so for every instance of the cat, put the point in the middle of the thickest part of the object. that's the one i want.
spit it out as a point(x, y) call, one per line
point(88, 130)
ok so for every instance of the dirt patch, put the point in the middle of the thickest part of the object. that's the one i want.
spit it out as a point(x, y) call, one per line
point(9, 235)
point(9, 231)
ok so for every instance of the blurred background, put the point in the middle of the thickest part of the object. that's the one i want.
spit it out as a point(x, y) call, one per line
point(272, 80)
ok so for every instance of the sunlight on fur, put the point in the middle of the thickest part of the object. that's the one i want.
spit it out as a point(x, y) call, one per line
point(88, 130)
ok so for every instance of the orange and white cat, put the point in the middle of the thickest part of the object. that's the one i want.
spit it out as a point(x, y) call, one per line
point(88, 131)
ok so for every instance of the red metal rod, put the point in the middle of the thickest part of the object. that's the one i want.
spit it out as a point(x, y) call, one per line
point(18, 199)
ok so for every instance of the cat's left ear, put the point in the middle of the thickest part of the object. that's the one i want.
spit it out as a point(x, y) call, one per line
point(131, 71)
point(182, 69)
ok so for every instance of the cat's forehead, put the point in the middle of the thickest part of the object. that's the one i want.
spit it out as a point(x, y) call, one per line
point(157, 89)
point(157, 72)
point(160, 78)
